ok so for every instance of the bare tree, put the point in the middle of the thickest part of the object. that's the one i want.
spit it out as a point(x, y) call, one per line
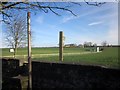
point(16, 32)
point(5, 7)
point(95, 45)
point(87, 44)
point(104, 43)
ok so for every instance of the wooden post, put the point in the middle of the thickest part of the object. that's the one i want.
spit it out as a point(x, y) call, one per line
point(61, 46)
point(29, 52)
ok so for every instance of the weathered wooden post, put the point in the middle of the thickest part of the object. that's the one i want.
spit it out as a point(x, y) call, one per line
point(61, 46)
point(29, 52)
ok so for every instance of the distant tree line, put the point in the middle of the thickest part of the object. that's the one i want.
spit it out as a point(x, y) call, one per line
point(90, 44)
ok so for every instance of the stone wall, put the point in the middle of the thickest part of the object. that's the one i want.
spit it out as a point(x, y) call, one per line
point(58, 75)
point(10, 69)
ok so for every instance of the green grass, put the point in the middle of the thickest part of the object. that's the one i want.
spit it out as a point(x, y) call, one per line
point(107, 58)
point(23, 51)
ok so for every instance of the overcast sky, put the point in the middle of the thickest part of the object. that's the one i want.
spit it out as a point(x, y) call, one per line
point(93, 24)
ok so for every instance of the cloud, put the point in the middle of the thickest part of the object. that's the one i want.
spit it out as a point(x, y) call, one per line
point(39, 19)
point(85, 14)
point(95, 23)
point(66, 19)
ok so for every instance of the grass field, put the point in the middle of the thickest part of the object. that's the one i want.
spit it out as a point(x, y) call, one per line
point(107, 58)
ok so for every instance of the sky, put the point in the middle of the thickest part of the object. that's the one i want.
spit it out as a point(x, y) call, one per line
point(92, 24)
point(0, 34)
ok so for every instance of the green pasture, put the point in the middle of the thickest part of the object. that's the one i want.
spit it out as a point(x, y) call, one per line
point(107, 58)
point(23, 51)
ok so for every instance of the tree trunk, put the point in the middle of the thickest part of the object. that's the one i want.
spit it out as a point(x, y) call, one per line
point(15, 50)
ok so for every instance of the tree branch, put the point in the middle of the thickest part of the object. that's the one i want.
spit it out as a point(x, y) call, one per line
point(60, 8)
point(54, 12)
point(76, 3)
point(94, 3)
point(39, 6)
point(11, 5)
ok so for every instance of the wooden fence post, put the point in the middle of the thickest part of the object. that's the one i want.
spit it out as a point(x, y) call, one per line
point(29, 52)
point(61, 46)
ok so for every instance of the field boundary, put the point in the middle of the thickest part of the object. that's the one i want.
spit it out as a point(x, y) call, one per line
point(54, 54)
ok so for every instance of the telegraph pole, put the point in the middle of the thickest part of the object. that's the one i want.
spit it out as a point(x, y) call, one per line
point(29, 52)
